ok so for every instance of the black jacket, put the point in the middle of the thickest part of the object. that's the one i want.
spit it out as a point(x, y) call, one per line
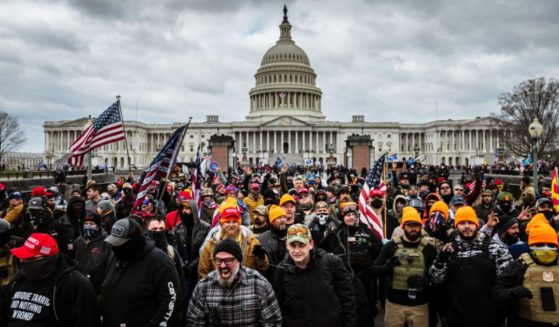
point(358, 247)
point(188, 244)
point(93, 258)
point(273, 241)
point(71, 294)
point(320, 295)
point(143, 292)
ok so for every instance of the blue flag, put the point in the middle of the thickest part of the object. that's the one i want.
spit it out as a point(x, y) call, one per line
point(393, 157)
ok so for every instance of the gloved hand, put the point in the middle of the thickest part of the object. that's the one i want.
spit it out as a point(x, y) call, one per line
point(259, 252)
point(446, 252)
point(390, 264)
point(520, 292)
point(417, 282)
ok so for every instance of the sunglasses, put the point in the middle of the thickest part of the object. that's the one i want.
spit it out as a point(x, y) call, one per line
point(445, 188)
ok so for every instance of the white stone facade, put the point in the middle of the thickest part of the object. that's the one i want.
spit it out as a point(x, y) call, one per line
point(286, 119)
point(21, 160)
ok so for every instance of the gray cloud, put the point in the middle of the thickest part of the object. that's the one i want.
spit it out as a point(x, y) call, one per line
point(392, 61)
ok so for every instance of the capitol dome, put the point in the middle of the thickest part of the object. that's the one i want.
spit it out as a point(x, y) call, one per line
point(285, 82)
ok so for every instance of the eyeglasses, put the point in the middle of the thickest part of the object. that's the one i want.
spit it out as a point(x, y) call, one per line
point(305, 195)
point(445, 188)
point(458, 190)
point(226, 261)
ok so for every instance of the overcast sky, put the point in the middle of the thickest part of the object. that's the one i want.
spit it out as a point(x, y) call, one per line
point(389, 60)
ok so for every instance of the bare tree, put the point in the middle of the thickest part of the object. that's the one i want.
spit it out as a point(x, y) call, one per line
point(11, 134)
point(529, 99)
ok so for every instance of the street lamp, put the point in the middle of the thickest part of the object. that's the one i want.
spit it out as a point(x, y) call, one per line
point(536, 130)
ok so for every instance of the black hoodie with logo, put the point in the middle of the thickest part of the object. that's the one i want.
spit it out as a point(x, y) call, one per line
point(64, 298)
point(144, 291)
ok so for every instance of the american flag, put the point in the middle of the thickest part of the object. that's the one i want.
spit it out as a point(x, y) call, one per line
point(161, 164)
point(107, 128)
point(372, 182)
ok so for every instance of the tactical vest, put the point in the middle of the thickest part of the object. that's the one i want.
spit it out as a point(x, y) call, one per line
point(537, 277)
point(412, 262)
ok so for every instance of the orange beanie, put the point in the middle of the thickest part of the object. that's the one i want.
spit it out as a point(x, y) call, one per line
point(286, 198)
point(276, 212)
point(542, 233)
point(410, 215)
point(466, 213)
point(536, 220)
point(441, 207)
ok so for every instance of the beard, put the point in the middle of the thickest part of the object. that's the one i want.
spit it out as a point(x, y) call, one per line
point(468, 238)
point(413, 236)
point(229, 278)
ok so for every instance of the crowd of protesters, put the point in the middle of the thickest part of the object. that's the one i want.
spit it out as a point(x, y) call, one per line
point(282, 247)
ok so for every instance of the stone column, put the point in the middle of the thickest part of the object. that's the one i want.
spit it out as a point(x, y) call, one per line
point(275, 142)
point(296, 142)
point(492, 146)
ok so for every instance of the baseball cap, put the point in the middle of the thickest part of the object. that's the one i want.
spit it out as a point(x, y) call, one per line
point(376, 192)
point(298, 233)
point(254, 186)
point(230, 214)
point(123, 230)
point(37, 243)
point(261, 209)
point(303, 190)
point(457, 200)
point(505, 197)
point(38, 191)
point(14, 195)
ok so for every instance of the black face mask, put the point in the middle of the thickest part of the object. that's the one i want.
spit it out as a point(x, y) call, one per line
point(376, 203)
point(128, 251)
point(160, 238)
point(548, 214)
point(40, 217)
point(39, 269)
point(505, 207)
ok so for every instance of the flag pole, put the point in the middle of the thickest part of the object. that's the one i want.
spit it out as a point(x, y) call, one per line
point(89, 171)
point(172, 164)
point(125, 136)
point(385, 194)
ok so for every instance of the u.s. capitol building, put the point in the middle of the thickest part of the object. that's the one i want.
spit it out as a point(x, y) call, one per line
point(285, 119)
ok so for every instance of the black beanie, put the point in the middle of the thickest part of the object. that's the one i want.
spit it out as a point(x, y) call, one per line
point(231, 247)
point(506, 223)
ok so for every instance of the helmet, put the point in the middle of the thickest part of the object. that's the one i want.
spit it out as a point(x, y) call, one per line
point(208, 192)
